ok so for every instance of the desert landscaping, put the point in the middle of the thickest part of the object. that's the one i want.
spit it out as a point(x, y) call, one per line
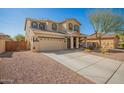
point(27, 67)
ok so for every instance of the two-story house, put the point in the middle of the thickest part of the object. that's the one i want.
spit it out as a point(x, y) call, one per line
point(44, 35)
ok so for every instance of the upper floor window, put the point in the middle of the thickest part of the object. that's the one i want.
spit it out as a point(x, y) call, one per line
point(54, 26)
point(70, 26)
point(34, 25)
point(42, 26)
point(76, 28)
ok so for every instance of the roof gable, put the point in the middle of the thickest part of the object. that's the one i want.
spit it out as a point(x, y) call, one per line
point(72, 19)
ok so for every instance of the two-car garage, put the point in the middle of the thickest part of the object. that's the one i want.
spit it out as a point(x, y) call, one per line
point(52, 43)
point(45, 41)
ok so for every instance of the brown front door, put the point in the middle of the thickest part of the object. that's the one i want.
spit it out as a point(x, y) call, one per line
point(68, 43)
point(74, 42)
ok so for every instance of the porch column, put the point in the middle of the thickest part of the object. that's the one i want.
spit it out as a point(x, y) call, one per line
point(66, 43)
point(72, 42)
point(77, 42)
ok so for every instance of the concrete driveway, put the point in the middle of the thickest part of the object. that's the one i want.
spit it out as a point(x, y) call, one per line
point(95, 68)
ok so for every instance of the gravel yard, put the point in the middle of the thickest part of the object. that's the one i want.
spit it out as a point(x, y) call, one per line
point(27, 67)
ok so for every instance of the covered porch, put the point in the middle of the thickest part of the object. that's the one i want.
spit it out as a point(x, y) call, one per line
point(72, 42)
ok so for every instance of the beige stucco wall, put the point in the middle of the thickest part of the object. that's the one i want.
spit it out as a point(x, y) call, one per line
point(28, 35)
point(49, 26)
point(48, 40)
point(28, 38)
point(70, 21)
point(2, 46)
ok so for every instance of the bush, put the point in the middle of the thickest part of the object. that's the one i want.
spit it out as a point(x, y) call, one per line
point(104, 51)
point(122, 45)
point(91, 47)
point(87, 50)
point(19, 37)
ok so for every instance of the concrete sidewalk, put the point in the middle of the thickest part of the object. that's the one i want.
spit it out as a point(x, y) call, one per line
point(95, 68)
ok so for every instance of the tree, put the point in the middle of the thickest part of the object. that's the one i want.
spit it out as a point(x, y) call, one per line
point(19, 37)
point(105, 21)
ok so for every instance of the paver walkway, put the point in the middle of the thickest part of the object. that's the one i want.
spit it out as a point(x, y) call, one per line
point(95, 68)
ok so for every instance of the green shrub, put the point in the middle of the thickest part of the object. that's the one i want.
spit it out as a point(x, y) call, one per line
point(122, 45)
point(91, 47)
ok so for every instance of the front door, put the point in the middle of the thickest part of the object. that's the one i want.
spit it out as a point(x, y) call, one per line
point(68, 43)
point(74, 42)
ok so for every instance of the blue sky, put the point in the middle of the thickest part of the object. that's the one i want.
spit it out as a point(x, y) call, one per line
point(12, 20)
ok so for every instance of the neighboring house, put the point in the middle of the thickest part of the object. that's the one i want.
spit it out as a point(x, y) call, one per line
point(5, 37)
point(108, 41)
point(43, 35)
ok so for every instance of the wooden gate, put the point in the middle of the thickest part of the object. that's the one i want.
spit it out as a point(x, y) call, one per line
point(15, 45)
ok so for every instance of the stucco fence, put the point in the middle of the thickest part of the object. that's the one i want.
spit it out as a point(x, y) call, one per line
point(2, 46)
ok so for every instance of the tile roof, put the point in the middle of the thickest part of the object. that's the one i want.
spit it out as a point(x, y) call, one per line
point(107, 36)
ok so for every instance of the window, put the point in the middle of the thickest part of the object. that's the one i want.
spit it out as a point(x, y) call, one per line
point(76, 28)
point(54, 26)
point(34, 25)
point(70, 26)
point(35, 39)
point(42, 26)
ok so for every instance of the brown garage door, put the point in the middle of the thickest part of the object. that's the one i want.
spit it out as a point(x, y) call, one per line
point(15, 45)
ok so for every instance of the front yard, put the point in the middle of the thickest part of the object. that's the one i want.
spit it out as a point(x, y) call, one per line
point(116, 55)
point(28, 67)
point(67, 66)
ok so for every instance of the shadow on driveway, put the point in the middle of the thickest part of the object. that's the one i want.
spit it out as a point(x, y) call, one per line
point(6, 54)
point(67, 51)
